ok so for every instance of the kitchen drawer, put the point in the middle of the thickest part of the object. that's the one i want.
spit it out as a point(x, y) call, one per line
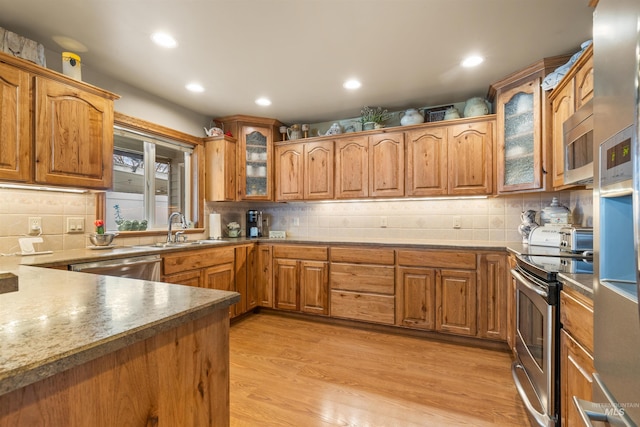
point(576, 316)
point(191, 260)
point(379, 256)
point(361, 306)
point(363, 278)
point(313, 253)
point(437, 259)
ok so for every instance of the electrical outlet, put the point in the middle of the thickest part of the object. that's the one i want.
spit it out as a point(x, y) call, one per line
point(383, 221)
point(34, 225)
point(75, 225)
point(456, 222)
point(296, 222)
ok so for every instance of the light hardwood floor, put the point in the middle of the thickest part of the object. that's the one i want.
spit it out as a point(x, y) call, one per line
point(297, 372)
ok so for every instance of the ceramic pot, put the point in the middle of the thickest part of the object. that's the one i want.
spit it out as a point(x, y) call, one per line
point(411, 117)
point(369, 126)
point(476, 107)
point(451, 113)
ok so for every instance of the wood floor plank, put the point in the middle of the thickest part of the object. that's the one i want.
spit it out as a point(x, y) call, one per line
point(287, 371)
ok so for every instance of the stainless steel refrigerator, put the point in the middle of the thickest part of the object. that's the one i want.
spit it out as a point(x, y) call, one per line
point(616, 385)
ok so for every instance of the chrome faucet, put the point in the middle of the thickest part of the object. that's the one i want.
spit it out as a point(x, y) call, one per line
point(183, 221)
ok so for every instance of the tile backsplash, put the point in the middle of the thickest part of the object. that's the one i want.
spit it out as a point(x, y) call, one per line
point(16, 206)
point(491, 219)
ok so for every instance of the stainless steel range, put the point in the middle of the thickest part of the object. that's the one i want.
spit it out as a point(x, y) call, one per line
point(535, 371)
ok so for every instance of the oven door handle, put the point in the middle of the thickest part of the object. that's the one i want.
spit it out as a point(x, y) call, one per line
point(526, 282)
point(541, 419)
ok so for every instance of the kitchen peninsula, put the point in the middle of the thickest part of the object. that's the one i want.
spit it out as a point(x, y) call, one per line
point(78, 349)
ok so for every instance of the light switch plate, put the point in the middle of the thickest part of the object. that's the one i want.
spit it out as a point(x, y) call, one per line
point(75, 225)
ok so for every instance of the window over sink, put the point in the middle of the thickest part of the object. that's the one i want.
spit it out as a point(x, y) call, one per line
point(152, 177)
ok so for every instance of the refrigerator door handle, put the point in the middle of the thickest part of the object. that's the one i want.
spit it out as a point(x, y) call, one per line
point(610, 412)
point(590, 411)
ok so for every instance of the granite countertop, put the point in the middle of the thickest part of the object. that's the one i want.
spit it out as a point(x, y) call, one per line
point(582, 283)
point(60, 319)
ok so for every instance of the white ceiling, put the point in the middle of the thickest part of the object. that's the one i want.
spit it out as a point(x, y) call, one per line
point(299, 52)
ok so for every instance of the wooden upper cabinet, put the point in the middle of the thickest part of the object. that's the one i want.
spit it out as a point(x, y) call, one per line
point(318, 170)
point(386, 165)
point(220, 173)
point(289, 172)
point(470, 158)
point(254, 165)
point(584, 79)
point(562, 107)
point(15, 129)
point(574, 90)
point(73, 136)
point(426, 173)
point(523, 138)
point(255, 151)
point(352, 167)
point(519, 135)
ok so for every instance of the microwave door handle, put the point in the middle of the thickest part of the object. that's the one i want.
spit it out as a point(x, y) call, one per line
point(528, 284)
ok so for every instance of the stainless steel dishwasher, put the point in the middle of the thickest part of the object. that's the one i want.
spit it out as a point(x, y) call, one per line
point(141, 267)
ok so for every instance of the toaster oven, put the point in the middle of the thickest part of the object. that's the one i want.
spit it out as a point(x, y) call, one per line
point(576, 239)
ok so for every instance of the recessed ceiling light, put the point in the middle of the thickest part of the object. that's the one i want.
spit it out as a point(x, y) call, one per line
point(472, 61)
point(164, 40)
point(70, 44)
point(352, 84)
point(194, 87)
point(264, 102)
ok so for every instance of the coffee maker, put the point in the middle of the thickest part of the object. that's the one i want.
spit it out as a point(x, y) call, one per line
point(254, 223)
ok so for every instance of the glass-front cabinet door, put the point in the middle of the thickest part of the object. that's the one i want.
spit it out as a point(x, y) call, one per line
point(519, 135)
point(254, 172)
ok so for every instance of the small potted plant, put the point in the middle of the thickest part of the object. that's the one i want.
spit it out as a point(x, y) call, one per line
point(372, 118)
point(100, 238)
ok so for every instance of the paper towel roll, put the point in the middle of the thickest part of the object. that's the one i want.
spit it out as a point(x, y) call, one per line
point(215, 229)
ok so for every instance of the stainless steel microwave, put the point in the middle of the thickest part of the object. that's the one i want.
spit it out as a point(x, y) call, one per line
point(578, 146)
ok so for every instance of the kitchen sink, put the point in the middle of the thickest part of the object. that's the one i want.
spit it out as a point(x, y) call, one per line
point(180, 244)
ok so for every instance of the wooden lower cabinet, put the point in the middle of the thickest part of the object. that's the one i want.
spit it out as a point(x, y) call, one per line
point(188, 278)
point(456, 302)
point(301, 284)
point(204, 268)
point(511, 307)
point(179, 377)
point(362, 283)
point(437, 290)
point(314, 288)
point(576, 354)
point(493, 277)
point(416, 297)
point(285, 274)
point(264, 275)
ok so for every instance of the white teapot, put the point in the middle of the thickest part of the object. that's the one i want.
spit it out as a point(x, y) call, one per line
point(335, 129)
point(214, 131)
